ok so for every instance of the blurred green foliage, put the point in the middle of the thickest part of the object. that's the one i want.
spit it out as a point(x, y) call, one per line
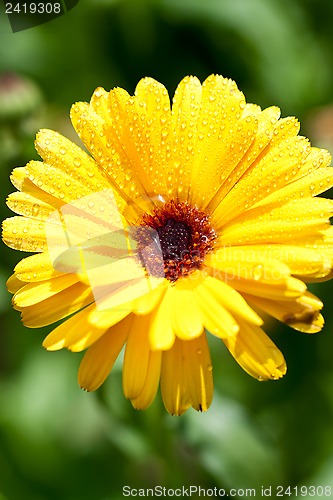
point(57, 442)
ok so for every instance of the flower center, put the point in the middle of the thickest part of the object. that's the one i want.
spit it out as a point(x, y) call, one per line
point(175, 239)
point(185, 236)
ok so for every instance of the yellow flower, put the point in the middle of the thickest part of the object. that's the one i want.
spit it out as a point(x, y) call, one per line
point(180, 221)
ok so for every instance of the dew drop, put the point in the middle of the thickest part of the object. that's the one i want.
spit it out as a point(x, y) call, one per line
point(257, 272)
point(35, 209)
point(98, 92)
point(63, 151)
point(128, 175)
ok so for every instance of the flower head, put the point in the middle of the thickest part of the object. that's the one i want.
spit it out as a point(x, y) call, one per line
point(182, 220)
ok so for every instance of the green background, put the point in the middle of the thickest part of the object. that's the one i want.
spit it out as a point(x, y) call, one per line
point(59, 443)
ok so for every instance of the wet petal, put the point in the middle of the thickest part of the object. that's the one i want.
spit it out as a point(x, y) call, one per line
point(256, 353)
point(101, 356)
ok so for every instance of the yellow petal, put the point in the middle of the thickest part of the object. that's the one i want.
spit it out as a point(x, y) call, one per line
point(300, 260)
point(266, 123)
point(148, 302)
point(36, 267)
point(58, 307)
point(143, 133)
point(215, 317)
point(291, 287)
point(267, 174)
point(18, 177)
point(230, 299)
point(14, 284)
point(36, 292)
point(223, 136)
point(151, 384)
point(186, 376)
point(101, 356)
point(185, 115)
point(136, 358)
point(276, 224)
point(55, 182)
point(316, 182)
point(77, 333)
point(174, 389)
point(301, 313)
point(100, 139)
point(58, 338)
point(161, 333)
point(198, 369)
point(187, 321)
point(140, 306)
point(317, 159)
point(33, 192)
point(74, 165)
point(27, 235)
point(114, 271)
point(249, 262)
point(25, 204)
point(246, 271)
point(122, 294)
point(256, 353)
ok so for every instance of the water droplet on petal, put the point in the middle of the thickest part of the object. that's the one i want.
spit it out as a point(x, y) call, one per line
point(128, 175)
point(257, 272)
point(35, 209)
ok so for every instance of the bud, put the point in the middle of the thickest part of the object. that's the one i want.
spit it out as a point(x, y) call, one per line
point(19, 96)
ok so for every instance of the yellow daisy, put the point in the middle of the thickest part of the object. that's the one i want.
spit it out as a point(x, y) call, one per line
point(182, 220)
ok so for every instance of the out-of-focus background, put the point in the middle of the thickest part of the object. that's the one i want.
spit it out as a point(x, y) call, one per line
point(59, 443)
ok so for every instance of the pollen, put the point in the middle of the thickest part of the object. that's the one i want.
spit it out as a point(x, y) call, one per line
point(185, 236)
